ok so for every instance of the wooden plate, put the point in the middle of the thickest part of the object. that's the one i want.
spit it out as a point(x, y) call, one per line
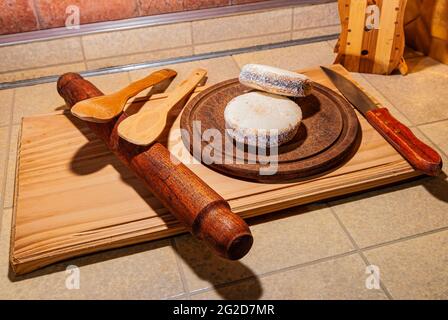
point(326, 137)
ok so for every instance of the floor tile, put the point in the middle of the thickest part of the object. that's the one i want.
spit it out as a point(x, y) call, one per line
point(110, 83)
point(384, 102)
point(6, 98)
point(292, 58)
point(11, 170)
point(416, 268)
point(37, 99)
point(421, 95)
point(138, 40)
point(41, 53)
point(42, 72)
point(4, 143)
point(219, 69)
point(145, 271)
point(339, 279)
point(395, 212)
point(438, 133)
point(253, 24)
point(241, 43)
point(310, 233)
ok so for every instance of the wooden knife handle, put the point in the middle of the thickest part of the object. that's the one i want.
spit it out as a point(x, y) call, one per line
point(197, 206)
point(421, 156)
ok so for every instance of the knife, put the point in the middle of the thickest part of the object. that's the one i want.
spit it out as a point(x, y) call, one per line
point(421, 156)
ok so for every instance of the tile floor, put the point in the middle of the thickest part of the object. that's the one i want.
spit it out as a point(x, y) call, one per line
point(318, 251)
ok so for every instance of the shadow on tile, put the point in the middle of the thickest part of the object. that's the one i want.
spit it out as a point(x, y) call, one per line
point(420, 63)
point(213, 267)
point(436, 186)
point(90, 259)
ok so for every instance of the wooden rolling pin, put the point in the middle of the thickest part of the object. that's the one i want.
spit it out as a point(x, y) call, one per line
point(197, 206)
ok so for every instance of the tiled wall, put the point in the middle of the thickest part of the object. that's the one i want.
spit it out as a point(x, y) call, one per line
point(94, 51)
point(28, 15)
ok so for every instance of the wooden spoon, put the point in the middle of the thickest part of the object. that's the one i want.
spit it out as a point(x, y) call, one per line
point(104, 108)
point(144, 127)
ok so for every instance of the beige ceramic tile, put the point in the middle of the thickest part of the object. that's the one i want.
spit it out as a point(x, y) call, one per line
point(416, 268)
point(316, 32)
point(396, 212)
point(219, 69)
point(41, 53)
point(241, 43)
point(438, 133)
point(145, 271)
point(422, 95)
point(249, 25)
point(295, 236)
point(42, 72)
point(134, 41)
point(140, 58)
point(332, 44)
point(384, 102)
point(293, 58)
point(110, 83)
point(6, 98)
point(4, 142)
point(316, 16)
point(38, 99)
point(12, 164)
point(339, 279)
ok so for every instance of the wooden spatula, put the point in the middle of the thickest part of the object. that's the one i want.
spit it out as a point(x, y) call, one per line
point(144, 127)
point(104, 108)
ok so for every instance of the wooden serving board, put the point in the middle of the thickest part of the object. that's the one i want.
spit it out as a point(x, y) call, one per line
point(74, 197)
point(327, 136)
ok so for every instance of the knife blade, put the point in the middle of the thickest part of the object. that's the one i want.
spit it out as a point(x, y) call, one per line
point(421, 156)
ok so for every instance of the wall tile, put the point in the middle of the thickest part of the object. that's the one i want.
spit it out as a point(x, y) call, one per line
point(245, 1)
point(136, 40)
point(241, 43)
point(42, 53)
point(204, 4)
point(17, 16)
point(246, 25)
point(316, 16)
point(316, 32)
point(53, 13)
point(150, 7)
point(140, 57)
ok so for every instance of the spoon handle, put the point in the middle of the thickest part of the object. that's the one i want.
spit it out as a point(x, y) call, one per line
point(138, 86)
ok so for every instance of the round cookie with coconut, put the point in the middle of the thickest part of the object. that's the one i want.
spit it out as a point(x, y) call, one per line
point(263, 119)
point(275, 80)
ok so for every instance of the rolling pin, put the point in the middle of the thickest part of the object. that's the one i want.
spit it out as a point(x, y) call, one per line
point(197, 206)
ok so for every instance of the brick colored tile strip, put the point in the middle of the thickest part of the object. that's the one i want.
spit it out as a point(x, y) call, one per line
point(31, 15)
